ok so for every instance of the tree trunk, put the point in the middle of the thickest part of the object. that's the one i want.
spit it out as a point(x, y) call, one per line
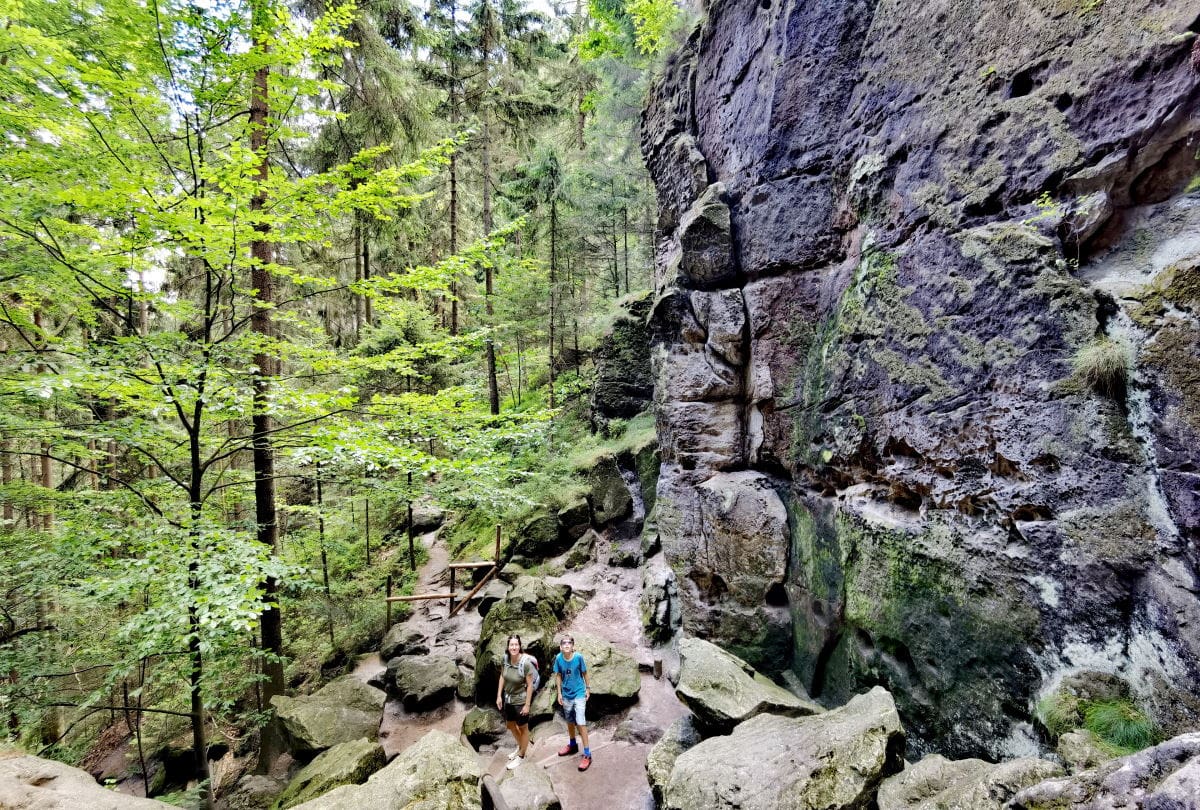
point(553, 285)
point(6, 477)
point(488, 281)
point(264, 453)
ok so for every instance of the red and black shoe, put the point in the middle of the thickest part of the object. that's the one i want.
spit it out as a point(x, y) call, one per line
point(570, 748)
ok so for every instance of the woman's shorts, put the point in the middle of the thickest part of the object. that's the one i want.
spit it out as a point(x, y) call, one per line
point(512, 714)
point(574, 710)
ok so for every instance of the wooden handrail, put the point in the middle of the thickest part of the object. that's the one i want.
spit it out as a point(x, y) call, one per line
point(480, 564)
point(418, 596)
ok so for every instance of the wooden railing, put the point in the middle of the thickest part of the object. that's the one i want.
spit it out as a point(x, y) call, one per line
point(452, 594)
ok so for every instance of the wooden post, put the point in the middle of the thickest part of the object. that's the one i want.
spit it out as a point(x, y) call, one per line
point(366, 527)
point(658, 669)
point(451, 592)
point(497, 544)
point(389, 605)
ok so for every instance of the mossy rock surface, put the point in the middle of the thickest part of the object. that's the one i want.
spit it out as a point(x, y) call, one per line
point(348, 763)
point(437, 771)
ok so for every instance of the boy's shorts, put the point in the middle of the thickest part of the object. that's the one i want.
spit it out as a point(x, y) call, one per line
point(573, 710)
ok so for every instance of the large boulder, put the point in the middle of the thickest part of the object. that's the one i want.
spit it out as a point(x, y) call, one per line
point(531, 609)
point(343, 710)
point(402, 639)
point(529, 788)
point(613, 675)
point(483, 725)
point(608, 492)
point(935, 783)
point(722, 690)
point(348, 763)
point(680, 736)
point(42, 784)
point(1164, 777)
point(422, 682)
point(436, 773)
point(830, 761)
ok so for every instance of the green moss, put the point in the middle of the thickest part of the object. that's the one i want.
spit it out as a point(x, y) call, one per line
point(1119, 725)
point(1174, 351)
point(1115, 532)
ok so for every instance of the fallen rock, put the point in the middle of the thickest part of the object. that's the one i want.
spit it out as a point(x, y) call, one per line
point(348, 763)
point(935, 783)
point(483, 725)
point(582, 552)
point(613, 675)
point(1081, 749)
point(639, 727)
point(402, 640)
point(42, 784)
point(529, 788)
point(1132, 781)
point(343, 710)
point(608, 494)
point(722, 690)
point(680, 736)
point(436, 773)
point(832, 760)
point(492, 593)
point(422, 682)
point(254, 792)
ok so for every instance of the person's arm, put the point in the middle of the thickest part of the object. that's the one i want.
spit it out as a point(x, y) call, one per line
point(587, 684)
point(500, 690)
point(558, 681)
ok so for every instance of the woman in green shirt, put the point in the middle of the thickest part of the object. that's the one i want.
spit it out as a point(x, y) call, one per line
point(514, 694)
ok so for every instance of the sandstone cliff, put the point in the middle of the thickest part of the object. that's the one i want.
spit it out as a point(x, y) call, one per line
point(925, 344)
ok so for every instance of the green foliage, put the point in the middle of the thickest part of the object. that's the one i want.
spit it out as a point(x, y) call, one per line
point(1104, 366)
point(1120, 726)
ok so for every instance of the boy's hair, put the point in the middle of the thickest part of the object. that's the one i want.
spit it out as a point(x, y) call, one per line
point(565, 639)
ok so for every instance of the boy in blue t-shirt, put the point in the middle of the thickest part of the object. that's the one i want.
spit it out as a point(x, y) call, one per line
point(574, 688)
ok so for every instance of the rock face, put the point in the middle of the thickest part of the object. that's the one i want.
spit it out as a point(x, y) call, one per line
point(1165, 777)
point(348, 763)
point(341, 711)
point(43, 784)
point(624, 385)
point(722, 690)
point(436, 772)
point(969, 784)
point(613, 675)
point(925, 301)
point(832, 760)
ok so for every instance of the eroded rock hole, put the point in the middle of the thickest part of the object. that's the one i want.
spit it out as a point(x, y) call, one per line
point(777, 595)
point(1063, 102)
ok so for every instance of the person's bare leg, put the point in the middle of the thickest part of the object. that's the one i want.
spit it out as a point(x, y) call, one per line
point(584, 737)
point(523, 740)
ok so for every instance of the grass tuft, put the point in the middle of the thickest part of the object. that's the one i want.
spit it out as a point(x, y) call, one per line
point(1120, 725)
point(1103, 366)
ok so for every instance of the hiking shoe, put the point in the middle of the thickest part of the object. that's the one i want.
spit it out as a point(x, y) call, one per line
point(585, 762)
point(568, 749)
point(515, 762)
point(513, 754)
